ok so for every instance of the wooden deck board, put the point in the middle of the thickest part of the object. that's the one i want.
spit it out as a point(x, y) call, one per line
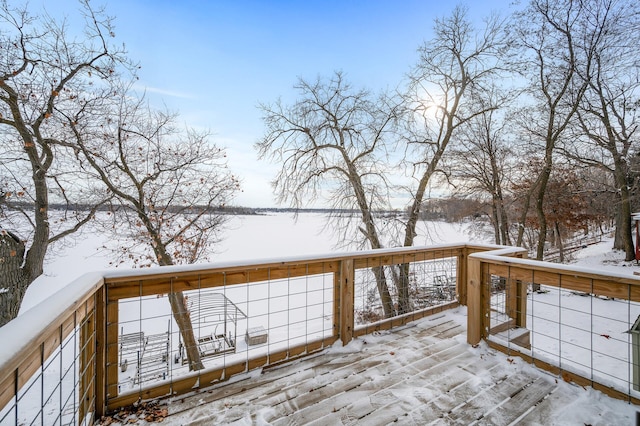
point(368, 365)
point(249, 385)
point(454, 389)
point(520, 403)
point(379, 365)
point(429, 387)
point(387, 377)
point(559, 402)
point(422, 373)
point(276, 379)
point(476, 407)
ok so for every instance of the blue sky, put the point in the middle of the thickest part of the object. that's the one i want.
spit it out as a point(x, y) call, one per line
point(214, 61)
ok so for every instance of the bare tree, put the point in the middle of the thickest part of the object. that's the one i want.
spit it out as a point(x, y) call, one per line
point(569, 204)
point(454, 68)
point(45, 75)
point(482, 165)
point(608, 115)
point(169, 187)
point(332, 143)
point(547, 54)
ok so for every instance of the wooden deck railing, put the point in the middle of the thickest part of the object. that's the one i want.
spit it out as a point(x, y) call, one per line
point(573, 322)
point(68, 358)
point(66, 326)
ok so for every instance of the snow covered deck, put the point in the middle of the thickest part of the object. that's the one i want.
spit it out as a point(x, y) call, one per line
point(421, 373)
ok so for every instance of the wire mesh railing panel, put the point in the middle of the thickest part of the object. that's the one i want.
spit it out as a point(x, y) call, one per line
point(498, 291)
point(577, 331)
point(584, 333)
point(230, 325)
point(403, 287)
point(612, 344)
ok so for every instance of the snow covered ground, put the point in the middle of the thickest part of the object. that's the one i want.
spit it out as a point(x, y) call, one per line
point(602, 257)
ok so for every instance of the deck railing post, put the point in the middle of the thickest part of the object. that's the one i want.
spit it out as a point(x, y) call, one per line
point(337, 304)
point(516, 294)
point(521, 314)
point(511, 294)
point(347, 277)
point(111, 349)
point(475, 309)
point(521, 305)
point(461, 281)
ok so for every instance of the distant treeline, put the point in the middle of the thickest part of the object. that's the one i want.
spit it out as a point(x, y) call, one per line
point(231, 210)
point(450, 209)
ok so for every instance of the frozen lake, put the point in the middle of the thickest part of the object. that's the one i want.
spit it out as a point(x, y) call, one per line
point(245, 238)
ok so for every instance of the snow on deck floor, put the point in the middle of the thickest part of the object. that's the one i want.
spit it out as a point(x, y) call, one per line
point(421, 373)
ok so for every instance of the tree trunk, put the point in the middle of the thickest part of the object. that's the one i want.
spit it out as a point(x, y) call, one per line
point(495, 220)
point(498, 201)
point(523, 219)
point(378, 271)
point(13, 280)
point(383, 291)
point(371, 234)
point(542, 218)
point(552, 237)
point(617, 235)
point(623, 229)
point(559, 243)
point(504, 222)
point(20, 267)
point(624, 235)
point(180, 313)
point(183, 319)
point(414, 212)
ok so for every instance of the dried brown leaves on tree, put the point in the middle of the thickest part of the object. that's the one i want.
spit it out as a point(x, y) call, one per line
point(46, 76)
